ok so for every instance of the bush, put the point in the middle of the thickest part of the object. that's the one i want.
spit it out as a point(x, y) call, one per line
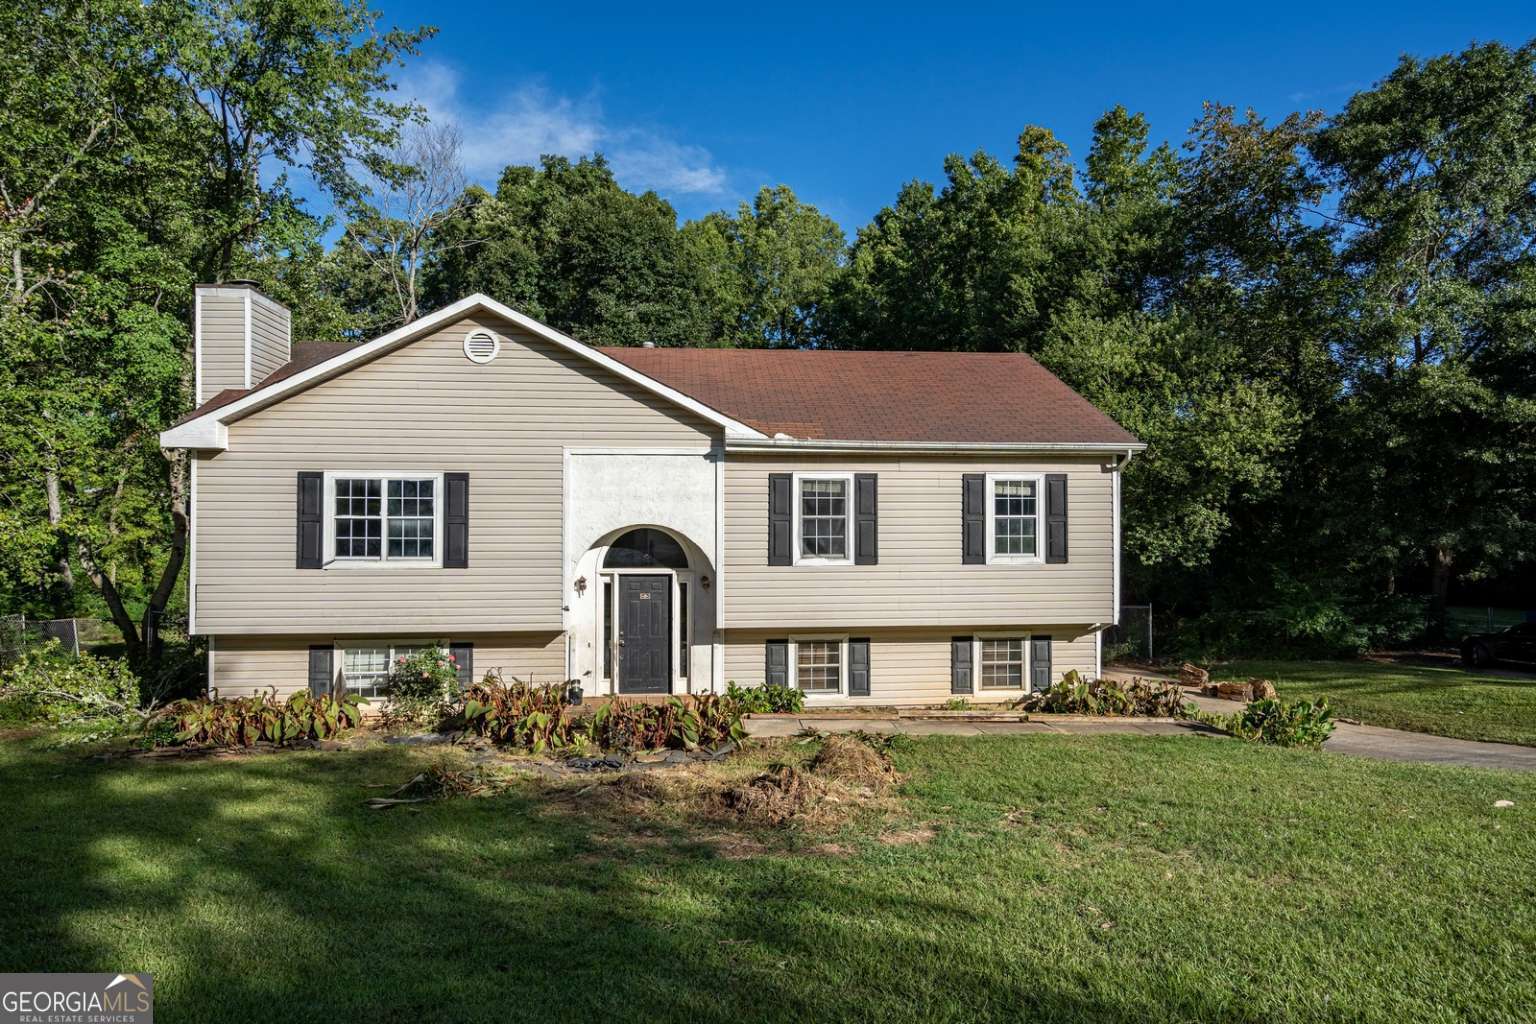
point(48, 684)
point(243, 721)
point(766, 700)
point(422, 690)
point(518, 714)
point(708, 722)
point(1302, 723)
point(1074, 695)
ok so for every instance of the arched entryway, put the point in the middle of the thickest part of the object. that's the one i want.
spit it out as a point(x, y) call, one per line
point(645, 611)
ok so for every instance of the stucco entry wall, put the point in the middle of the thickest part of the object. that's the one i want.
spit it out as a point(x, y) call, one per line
point(611, 491)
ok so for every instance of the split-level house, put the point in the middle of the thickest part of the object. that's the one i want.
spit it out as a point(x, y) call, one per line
point(871, 527)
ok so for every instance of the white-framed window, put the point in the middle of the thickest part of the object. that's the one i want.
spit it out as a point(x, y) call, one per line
point(818, 665)
point(1014, 514)
point(1002, 662)
point(389, 519)
point(823, 518)
point(365, 668)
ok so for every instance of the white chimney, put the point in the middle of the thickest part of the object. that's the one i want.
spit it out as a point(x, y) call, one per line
point(239, 337)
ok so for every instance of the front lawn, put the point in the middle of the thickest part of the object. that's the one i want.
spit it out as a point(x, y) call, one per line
point(1051, 878)
point(1446, 701)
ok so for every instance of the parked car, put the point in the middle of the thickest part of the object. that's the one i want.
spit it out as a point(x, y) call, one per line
point(1517, 643)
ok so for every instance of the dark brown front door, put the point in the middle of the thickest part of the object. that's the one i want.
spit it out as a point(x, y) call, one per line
point(645, 634)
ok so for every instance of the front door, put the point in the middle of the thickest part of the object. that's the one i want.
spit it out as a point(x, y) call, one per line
point(645, 634)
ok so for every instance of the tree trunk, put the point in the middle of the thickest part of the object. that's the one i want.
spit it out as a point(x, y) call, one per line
point(56, 517)
point(1440, 585)
point(172, 571)
point(120, 617)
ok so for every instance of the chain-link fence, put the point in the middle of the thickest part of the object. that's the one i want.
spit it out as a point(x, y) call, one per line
point(17, 632)
point(1132, 637)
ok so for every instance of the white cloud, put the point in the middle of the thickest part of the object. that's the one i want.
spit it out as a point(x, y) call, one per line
point(519, 126)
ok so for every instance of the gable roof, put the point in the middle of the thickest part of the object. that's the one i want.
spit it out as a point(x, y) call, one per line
point(305, 355)
point(206, 427)
point(924, 398)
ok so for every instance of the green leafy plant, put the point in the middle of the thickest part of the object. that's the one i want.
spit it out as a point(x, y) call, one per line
point(48, 684)
point(1074, 695)
point(766, 700)
point(706, 720)
point(957, 704)
point(1301, 723)
point(517, 714)
point(422, 689)
point(244, 721)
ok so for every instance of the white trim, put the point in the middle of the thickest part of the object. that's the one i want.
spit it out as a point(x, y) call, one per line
point(1038, 558)
point(495, 345)
point(676, 681)
point(848, 530)
point(814, 696)
point(197, 347)
point(777, 444)
point(1115, 529)
point(248, 339)
point(717, 643)
point(330, 561)
point(209, 688)
point(192, 433)
point(1098, 654)
point(192, 547)
point(992, 691)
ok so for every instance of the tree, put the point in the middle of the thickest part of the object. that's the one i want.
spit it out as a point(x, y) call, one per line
point(767, 272)
point(397, 235)
point(1435, 169)
point(565, 243)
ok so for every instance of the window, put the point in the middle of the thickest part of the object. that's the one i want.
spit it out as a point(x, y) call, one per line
point(1002, 664)
point(1013, 518)
point(375, 520)
point(682, 630)
point(819, 666)
point(608, 628)
point(821, 518)
point(365, 670)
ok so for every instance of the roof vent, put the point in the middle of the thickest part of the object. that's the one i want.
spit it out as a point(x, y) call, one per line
point(481, 346)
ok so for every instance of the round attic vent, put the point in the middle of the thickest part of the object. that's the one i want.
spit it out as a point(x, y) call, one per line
point(481, 346)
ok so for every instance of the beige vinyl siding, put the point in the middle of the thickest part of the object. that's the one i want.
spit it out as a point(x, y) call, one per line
point(245, 665)
point(270, 326)
point(421, 408)
point(222, 341)
point(911, 666)
point(919, 580)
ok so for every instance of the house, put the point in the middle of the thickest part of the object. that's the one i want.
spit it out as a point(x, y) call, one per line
point(871, 527)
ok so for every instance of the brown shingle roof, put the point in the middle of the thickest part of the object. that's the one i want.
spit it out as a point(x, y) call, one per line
point(934, 397)
point(305, 354)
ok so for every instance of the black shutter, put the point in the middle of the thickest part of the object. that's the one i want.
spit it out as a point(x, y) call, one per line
point(781, 519)
point(310, 543)
point(776, 666)
point(866, 512)
point(456, 520)
point(973, 519)
point(1039, 663)
point(960, 664)
point(1055, 517)
point(322, 674)
point(858, 668)
point(464, 661)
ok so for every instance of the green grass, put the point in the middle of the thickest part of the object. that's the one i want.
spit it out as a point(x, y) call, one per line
point(1070, 879)
point(1447, 701)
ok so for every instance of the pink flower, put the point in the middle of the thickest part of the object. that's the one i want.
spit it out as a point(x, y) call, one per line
point(452, 658)
point(425, 675)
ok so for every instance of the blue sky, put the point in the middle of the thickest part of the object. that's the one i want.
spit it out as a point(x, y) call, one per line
point(705, 105)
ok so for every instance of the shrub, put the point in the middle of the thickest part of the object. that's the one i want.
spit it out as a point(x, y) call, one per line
point(422, 690)
point(766, 700)
point(243, 721)
point(1074, 695)
point(1302, 723)
point(519, 714)
point(48, 684)
point(709, 721)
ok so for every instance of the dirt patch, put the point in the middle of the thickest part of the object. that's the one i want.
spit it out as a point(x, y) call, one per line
point(908, 836)
point(855, 762)
point(781, 794)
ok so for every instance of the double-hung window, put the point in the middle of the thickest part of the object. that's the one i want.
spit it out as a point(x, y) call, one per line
point(384, 519)
point(1013, 517)
point(819, 667)
point(365, 670)
point(823, 507)
point(1002, 663)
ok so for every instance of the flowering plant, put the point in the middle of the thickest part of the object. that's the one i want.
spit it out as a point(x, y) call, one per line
point(423, 686)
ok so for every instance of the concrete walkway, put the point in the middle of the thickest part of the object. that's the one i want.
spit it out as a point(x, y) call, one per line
point(1356, 740)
